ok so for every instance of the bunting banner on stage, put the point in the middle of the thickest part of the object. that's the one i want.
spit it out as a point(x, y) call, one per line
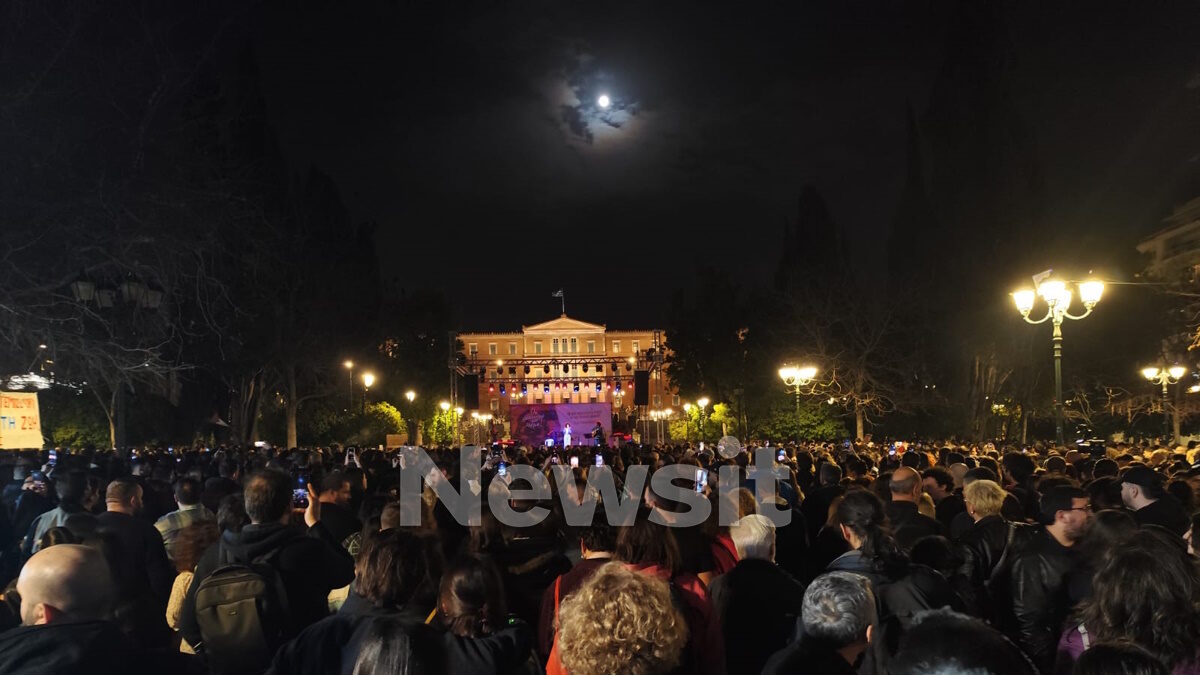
point(20, 423)
point(532, 424)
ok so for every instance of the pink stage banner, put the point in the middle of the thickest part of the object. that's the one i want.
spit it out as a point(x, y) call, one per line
point(533, 424)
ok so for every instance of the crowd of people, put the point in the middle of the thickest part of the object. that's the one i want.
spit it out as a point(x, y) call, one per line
point(934, 558)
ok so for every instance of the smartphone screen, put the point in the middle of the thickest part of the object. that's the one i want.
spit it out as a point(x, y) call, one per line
point(300, 498)
point(53, 458)
point(781, 456)
point(701, 479)
point(574, 462)
point(502, 469)
point(599, 459)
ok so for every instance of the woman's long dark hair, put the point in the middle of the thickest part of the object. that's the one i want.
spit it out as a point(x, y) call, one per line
point(862, 513)
point(471, 599)
point(1147, 591)
point(387, 649)
point(648, 543)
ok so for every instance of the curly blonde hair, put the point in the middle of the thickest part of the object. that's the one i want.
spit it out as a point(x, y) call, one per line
point(620, 621)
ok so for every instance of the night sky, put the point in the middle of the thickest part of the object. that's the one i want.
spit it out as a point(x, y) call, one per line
point(469, 132)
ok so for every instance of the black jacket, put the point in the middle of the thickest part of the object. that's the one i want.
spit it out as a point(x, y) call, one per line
point(331, 646)
point(83, 648)
point(947, 509)
point(340, 521)
point(1038, 587)
point(529, 565)
point(143, 552)
point(909, 524)
point(1166, 513)
point(310, 564)
point(809, 656)
point(921, 589)
point(815, 507)
point(143, 577)
point(757, 603)
point(982, 548)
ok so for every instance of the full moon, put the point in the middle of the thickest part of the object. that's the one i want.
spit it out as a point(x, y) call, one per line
point(604, 101)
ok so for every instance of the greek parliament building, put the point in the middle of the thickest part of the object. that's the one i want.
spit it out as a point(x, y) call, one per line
point(563, 361)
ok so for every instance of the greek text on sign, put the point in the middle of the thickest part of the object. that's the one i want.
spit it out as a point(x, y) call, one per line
point(20, 423)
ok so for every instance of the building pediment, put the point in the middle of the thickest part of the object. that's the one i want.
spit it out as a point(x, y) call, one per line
point(563, 325)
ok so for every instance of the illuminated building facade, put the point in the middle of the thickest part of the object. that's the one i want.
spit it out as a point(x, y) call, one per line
point(564, 361)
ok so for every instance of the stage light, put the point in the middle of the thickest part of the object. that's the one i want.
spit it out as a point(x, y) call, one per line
point(501, 390)
point(546, 369)
point(491, 388)
point(597, 387)
point(576, 387)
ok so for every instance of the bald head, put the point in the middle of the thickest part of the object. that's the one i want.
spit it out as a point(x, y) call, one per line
point(905, 485)
point(63, 583)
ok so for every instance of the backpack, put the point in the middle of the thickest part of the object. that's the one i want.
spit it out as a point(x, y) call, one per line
point(241, 610)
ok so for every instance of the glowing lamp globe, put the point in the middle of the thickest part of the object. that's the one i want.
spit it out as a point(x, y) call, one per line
point(1051, 291)
point(1024, 299)
point(1090, 291)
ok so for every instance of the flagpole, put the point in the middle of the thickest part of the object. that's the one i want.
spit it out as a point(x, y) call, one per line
point(562, 296)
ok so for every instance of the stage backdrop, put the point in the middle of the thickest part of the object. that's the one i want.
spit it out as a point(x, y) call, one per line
point(533, 424)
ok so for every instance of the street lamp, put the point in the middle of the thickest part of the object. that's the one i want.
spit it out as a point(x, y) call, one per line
point(349, 365)
point(703, 403)
point(1057, 297)
point(444, 405)
point(410, 395)
point(796, 377)
point(137, 296)
point(687, 418)
point(1165, 377)
point(368, 380)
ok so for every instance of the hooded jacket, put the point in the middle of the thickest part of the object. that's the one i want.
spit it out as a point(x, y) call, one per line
point(310, 564)
point(83, 648)
point(332, 645)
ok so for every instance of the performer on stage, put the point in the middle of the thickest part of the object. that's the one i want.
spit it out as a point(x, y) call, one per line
point(598, 433)
point(566, 435)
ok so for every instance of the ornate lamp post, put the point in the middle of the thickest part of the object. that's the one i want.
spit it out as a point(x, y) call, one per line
point(368, 380)
point(703, 404)
point(1058, 297)
point(349, 365)
point(796, 377)
point(1166, 377)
